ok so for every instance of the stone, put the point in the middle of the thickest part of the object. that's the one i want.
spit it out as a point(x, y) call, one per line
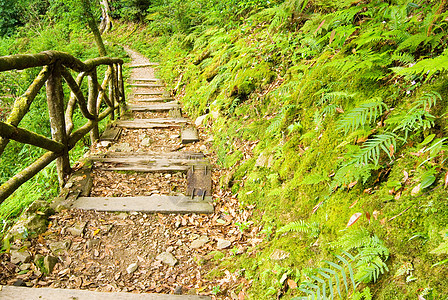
point(178, 290)
point(20, 256)
point(279, 255)
point(199, 120)
point(222, 244)
point(174, 136)
point(167, 258)
point(92, 243)
point(198, 243)
point(132, 268)
point(58, 247)
point(170, 249)
point(77, 229)
point(147, 141)
point(49, 263)
point(25, 266)
point(105, 143)
point(264, 160)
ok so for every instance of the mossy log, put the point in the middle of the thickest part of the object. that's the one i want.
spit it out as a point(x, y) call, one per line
point(28, 137)
point(20, 178)
point(78, 93)
point(92, 104)
point(22, 104)
point(71, 105)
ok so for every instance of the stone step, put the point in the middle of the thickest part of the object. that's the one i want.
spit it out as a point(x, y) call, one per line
point(155, 155)
point(149, 204)
point(153, 107)
point(24, 293)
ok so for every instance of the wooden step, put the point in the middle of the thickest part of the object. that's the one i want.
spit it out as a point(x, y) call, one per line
point(151, 64)
point(162, 93)
point(144, 164)
point(154, 155)
point(151, 123)
point(189, 135)
point(25, 293)
point(153, 204)
point(199, 182)
point(111, 134)
point(161, 99)
point(146, 79)
point(146, 85)
point(153, 107)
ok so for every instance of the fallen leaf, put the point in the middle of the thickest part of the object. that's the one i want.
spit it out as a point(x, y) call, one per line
point(397, 196)
point(420, 297)
point(241, 295)
point(406, 176)
point(391, 150)
point(353, 204)
point(333, 33)
point(416, 190)
point(352, 184)
point(321, 24)
point(375, 214)
point(355, 217)
point(339, 110)
point(315, 208)
point(368, 216)
point(96, 232)
point(292, 284)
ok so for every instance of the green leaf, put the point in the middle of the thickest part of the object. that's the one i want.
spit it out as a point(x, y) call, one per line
point(428, 139)
point(428, 179)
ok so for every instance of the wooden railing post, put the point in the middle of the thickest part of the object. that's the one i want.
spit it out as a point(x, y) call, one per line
point(122, 98)
point(112, 91)
point(93, 96)
point(55, 100)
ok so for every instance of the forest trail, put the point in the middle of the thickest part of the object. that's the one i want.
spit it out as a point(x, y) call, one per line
point(148, 222)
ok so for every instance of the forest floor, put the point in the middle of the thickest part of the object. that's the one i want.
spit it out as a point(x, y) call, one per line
point(142, 252)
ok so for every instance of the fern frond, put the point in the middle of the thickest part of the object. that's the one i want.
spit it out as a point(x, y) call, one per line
point(312, 229)
point(428, 100)
point(403, 57)
point(361, 115)
point(371, 149)
point(429, 66)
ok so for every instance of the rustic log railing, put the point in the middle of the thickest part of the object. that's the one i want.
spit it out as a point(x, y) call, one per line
point(55, 67)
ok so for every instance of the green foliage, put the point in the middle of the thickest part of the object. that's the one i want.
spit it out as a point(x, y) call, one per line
point(361, 115)
point(371, 150)
point(371, 254)
point(311, 229)
point(427, 67)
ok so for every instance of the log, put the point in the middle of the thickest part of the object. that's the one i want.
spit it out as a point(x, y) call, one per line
point(71, 105)
point(28, 137)
point(20, 178)
point(22, 104)
point(74, 87)
point(92, 105)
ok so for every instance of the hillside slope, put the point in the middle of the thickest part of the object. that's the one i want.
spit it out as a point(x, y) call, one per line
point(330, 118)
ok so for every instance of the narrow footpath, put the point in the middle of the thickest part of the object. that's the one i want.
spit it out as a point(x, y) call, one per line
point(143, 214)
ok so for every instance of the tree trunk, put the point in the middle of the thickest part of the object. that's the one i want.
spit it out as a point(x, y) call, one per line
point(93, 27)
point(106, 22)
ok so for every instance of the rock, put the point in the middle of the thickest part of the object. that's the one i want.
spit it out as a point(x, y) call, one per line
point(25, 266)
point(78, 229)
point(198, 243)
point(170, 249)
point(178, 290)
point(203, 148)
point(92, 243)
point(222, 244)
point(32, 222)
point(174, 136)
point(279, 254)
point(58, 247)
point(264, 160)
point(167, 258)
point(20, 257)
point(199, 120)
point(49, 263)
point(147, 141)
point(19, 282)
point(105, 143)
point(132, 268)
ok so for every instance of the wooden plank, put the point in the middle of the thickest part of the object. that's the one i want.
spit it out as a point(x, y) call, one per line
point(162, 99)
point(199, 181)
point(154, 93)
point(145, 161)
point(175, 113)
point(151, 123)
point(146, 79)
point(151, 64)
point(154, 204)
point(156, 120)
point(146, 85)
point(25, 293)
point(111, 134)
point(189, 135)
point(154, 155)
point(153, 107)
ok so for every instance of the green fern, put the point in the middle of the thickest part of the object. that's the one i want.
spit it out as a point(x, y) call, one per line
point(371, 257)
point(371, 150)
point(279, 120)
point(429, 66)
point(333, 277)
point(312, 229)
point(361, 115)
point(351, 172)
point(403, 57)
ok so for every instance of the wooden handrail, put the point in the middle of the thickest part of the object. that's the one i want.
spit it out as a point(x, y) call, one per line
point(55, 70)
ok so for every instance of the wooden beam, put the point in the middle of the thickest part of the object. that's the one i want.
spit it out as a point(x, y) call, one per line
point(28, 137)
point(153, 204)
point(153, 107)
point(20, 178)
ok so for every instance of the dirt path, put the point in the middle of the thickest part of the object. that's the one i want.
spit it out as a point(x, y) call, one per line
point(141, 252)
